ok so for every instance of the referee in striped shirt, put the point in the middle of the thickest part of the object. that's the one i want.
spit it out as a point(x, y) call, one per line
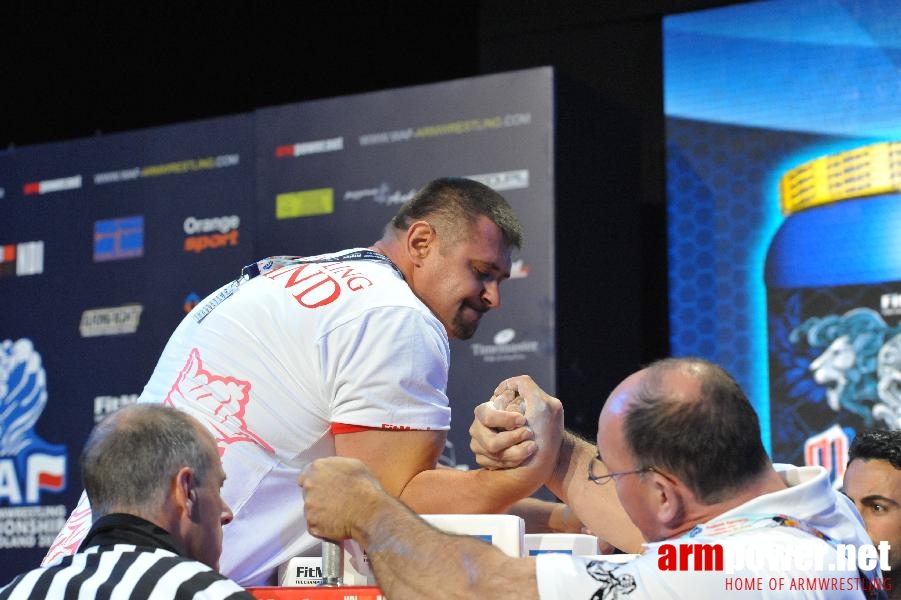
point(153, 478)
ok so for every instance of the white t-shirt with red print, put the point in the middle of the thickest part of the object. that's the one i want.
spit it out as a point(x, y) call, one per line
point(274, 366)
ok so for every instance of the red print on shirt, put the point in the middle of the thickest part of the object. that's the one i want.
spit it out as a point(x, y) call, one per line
point(73, 532)
point(224, 398)
point(314, 285)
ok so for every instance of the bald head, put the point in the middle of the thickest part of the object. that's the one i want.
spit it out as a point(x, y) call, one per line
point(690, 418)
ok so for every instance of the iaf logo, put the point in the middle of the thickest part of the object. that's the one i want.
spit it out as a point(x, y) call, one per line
point(29, 465)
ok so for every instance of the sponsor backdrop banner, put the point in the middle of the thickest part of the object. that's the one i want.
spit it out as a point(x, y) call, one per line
point(784, 165)
point(106, 243)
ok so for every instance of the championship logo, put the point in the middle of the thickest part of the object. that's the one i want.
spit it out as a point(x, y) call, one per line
point(28, 464)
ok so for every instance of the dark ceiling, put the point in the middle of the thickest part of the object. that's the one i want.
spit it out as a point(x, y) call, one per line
point(75, 69)
point(80, 68)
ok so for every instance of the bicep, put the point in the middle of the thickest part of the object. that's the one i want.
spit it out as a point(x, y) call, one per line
point(387, 370)
point(394, 457)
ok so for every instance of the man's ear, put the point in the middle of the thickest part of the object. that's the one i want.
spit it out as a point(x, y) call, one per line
point(669, 498)
point(186, 490)
point(421, 238)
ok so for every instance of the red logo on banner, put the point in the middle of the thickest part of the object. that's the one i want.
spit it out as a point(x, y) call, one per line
point(830, 450)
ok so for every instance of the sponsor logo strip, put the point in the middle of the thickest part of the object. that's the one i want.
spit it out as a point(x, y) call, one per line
point(115, 320)
point(26, 258)
point(506, 180)
point(460, 127)
point(173, 168)
point(305, 203)
point(52, 185)
point(118, 239)
point(312, 147)
point(382, 194)
point(104, 405)
point(215, 232)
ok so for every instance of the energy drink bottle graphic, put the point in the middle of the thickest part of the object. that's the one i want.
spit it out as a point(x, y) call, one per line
point(833, 278)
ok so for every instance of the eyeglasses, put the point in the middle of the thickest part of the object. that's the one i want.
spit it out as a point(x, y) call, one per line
point(601, 479)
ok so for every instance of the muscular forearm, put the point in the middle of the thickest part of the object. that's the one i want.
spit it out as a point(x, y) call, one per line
point(597, 506)
point(478, 491)
point(542, 516)
point(490, 491)
point(411, 559)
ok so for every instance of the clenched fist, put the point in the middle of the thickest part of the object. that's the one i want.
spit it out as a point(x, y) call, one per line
point(338, 494)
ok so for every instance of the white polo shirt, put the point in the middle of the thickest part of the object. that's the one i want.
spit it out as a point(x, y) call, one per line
point(274, 368)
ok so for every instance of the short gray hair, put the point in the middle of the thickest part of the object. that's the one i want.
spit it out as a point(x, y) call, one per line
point(132, 455)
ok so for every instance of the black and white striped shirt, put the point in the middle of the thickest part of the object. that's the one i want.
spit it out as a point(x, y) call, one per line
point(127, 571)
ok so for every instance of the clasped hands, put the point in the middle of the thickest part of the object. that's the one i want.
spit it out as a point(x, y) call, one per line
point(518, 421)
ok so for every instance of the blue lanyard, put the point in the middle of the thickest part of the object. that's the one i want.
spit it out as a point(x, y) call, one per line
point(734, 525)
point(261, 267)
point(742, 523)
point(266, 265)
